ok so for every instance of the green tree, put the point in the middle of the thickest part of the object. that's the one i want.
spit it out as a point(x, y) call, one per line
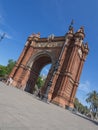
point(76, 103)
point(6, 70)
point(3, 71)
point(92, 99)
point(40, 82)
point(80, 107)
point(10, 65)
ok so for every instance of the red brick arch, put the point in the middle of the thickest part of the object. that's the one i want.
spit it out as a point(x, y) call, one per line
point(36, 66)
point(66, 55)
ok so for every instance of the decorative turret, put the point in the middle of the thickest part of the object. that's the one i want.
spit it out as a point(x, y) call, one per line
point(80, 33)
point(34, 37)
point(79, 37)
point(70, 33)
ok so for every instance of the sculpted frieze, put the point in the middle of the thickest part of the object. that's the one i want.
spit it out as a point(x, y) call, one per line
point(47, 44)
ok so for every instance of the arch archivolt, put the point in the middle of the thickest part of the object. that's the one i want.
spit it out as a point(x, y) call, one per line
point(35, 64)
point(36, 56)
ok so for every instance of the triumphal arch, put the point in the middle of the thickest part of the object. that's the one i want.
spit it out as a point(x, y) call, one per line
point(65, 53)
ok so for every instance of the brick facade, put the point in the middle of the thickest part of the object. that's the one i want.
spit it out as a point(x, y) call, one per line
point(66, 54)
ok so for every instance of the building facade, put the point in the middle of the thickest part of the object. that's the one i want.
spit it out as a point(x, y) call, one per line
point(66, 55)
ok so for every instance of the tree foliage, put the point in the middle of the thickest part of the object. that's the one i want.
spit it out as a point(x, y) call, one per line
point(3, 71)
point(92, 99)
point(10, 65)
point(80, 107)
point(40, 82)
point(6, 70)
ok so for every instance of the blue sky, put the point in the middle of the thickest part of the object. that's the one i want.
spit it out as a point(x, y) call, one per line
point(20, 18)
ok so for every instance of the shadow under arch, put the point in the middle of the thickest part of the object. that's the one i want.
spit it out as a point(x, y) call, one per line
point(36, 63)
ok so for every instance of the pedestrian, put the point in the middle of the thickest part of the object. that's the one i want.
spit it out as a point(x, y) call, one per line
point(9, 81)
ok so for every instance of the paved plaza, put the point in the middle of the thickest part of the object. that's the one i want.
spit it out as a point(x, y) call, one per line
point(22, 111)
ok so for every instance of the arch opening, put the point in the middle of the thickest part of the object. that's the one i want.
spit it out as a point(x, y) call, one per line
point(40, 83)
point(39, 71)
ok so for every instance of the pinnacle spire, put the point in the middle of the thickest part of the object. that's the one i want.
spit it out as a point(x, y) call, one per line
point(71, 24)
point(81, 29)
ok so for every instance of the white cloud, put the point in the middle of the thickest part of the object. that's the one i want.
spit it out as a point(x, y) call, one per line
point(46, 70)
point(2, 32)
point(85, 87)
point(6, 34)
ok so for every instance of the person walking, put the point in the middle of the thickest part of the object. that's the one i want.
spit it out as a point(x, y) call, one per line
point(9, 81)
